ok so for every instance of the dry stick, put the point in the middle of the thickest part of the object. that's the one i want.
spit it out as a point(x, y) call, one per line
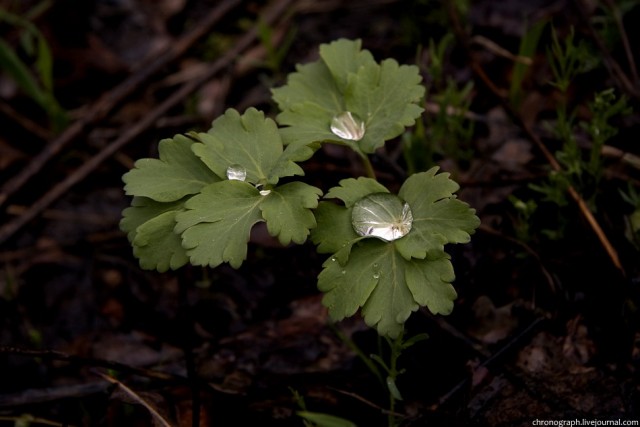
point(615, 10)
point(25, 122)
point(511, 344)
point(85, 361)
point(30, 397)
point(136, 130)
point(136, 397)
point(111, 99)
point(612, 65)
point(584, 208)
point(499, 93)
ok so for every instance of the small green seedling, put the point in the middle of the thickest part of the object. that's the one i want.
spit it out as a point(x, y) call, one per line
point(198, 202)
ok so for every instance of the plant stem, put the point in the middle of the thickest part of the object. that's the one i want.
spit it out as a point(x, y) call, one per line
point(354, 347)
point(368, 167)
point(396, 350)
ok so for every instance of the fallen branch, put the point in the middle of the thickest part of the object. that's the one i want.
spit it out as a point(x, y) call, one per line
point(103, 106)
point(137, 129)
point(137, 398)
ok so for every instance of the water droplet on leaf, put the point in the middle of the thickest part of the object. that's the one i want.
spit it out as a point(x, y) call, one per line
point(376, 275)
point(236, 172)
point(346, 126)
point(262, 190)
point(382, 215)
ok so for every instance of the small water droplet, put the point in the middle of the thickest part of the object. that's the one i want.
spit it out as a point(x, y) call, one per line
point(376, 265)
point(382, 215)
point(344, 272)
point(376, 275)
point(236, 172)
point(346, 126)
point(333, 259)
point(263, 191)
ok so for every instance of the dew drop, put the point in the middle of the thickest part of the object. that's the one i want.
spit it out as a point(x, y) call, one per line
point(382, 215)
point(263, 191)
point(236, 172)
point(346, 126)
point(333, 259)
point(376, 275)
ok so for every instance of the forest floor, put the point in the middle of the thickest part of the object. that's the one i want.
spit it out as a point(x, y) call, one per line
point(545, 326)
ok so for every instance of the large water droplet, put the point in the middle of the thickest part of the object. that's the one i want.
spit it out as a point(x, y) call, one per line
point(346, 126)
point(236, 172)
point(382, 215)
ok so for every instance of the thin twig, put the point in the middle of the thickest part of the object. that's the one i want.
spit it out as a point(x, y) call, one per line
point(369, 403)
point(26, 123)
point(137, 398)
point(94, 362)
point(138, 128)
point(103, 106)
point(612, 65)
point(492, 359)
point(615, 10)
point(582, 205)
point(528, 249)
point(30, 419)
point(30, 397)
point(494, 47)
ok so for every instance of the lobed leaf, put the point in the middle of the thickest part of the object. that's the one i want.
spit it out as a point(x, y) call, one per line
point(343, 58)
point(149, 227)
point(385, 285)
point(252, 141)
point(177, 173)
point(287, 211)
point(385, 96)
point(438, 217)
point(217, 223)
point(351, 190)
point(334, 233)
point(346, 78)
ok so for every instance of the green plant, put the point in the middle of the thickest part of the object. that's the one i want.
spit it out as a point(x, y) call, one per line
point(38, 85)
point(198, 202)
point(580, 157)
point(317, 419)
point(527, 49)
point(447, 132)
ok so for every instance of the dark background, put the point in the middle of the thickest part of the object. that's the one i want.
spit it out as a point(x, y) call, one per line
point(543, 328)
